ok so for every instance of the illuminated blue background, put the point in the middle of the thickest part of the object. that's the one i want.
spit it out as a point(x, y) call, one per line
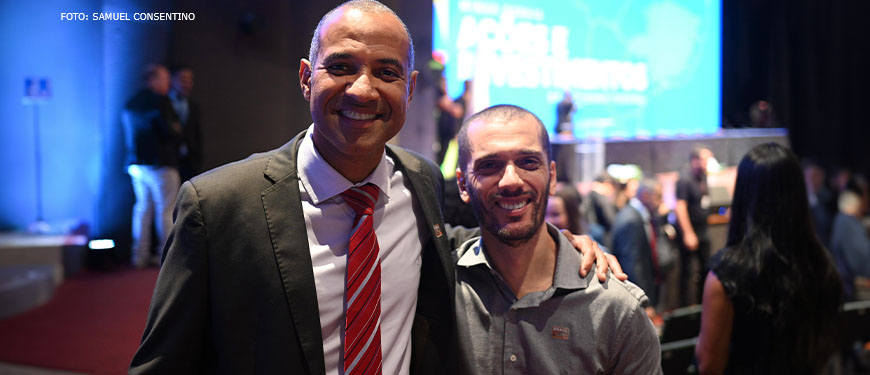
point(93, 67)
point(679, 41)
point(37, 43)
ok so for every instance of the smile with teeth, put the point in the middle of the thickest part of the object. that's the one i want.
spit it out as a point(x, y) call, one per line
point(513, 206)
point(358, 116)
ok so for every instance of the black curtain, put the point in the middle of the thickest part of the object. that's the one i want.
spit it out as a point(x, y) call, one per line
point(809, 59)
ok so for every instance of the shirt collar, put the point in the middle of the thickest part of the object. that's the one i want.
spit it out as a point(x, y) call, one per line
point(474, 255)
point(176, 96)
point(322, 181)
point(568, 260)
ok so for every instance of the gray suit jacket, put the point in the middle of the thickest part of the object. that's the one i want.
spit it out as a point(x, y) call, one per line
point(236, 292)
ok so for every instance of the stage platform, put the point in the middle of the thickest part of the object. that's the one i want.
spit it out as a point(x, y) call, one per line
point(668, 154)
point(33, 265)
point(659, 155)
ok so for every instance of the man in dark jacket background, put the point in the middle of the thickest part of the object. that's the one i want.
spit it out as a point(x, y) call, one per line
point(152, 133)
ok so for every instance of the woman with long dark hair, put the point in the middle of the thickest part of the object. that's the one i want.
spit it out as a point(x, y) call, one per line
point(772, 296)
point(563, 209)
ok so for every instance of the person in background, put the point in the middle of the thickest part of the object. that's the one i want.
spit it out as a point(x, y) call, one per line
point(772, 295)
point(152, 134)
point(563, 209)
point(625, 190)
point(820, 199)
point(521, 307)
point(187, 109)
point(850, 245)
point(635, 237)
point(564, 153)
point(668, 258)
point(600, 209)
point(692, 210)
point(451, 115)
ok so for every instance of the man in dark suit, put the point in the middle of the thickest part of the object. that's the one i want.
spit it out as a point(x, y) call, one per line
point(254, 275)
point(634, 235)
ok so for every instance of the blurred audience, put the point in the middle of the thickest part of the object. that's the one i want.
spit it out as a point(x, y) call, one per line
point(772, 296)
point(635, 238)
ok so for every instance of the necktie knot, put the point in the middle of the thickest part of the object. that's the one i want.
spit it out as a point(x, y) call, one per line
point(362, 199)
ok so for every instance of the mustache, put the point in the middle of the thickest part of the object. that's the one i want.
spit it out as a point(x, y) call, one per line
point(514, 194)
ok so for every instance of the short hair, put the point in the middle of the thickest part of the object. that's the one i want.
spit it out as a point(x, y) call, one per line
point(696, 151)
point(498, 113)
point(647, 185)
point(370, 6)
point(605, 178)
point(849, 202)
point(150, 71)
point(178, 68)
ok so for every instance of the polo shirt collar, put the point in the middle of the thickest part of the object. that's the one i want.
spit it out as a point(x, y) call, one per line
point(568, 261)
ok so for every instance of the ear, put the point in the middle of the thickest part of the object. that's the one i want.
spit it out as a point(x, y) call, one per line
point(305, 78)
point(412, 84)
point(460, 183)
point(552, 177)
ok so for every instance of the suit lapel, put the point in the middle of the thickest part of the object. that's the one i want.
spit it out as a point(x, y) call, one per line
point(424, 193)
point(283, 207)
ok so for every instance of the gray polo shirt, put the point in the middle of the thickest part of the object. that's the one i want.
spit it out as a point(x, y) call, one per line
point(577, 326)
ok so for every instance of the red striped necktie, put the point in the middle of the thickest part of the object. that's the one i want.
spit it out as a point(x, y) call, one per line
point(362, 333)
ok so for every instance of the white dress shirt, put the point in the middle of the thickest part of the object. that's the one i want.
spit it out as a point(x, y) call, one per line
point(328, 221)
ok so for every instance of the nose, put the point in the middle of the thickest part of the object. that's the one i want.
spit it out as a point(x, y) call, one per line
point(510, 180)
point(362, 88)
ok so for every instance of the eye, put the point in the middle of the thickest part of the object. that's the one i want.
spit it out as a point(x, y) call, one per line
point(529, 163)
point(338, 68)
point(487, 167)
point(389, 74)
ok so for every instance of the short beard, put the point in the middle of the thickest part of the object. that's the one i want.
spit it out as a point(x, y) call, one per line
point(503, 235)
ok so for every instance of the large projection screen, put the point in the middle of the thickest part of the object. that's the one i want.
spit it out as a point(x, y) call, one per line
point(635, 68)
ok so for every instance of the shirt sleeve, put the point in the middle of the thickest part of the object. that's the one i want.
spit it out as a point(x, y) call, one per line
point(682, 189)
point(175, 332)
point(639, 350)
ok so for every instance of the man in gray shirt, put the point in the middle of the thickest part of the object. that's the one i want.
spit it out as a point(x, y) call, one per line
point(521, 307)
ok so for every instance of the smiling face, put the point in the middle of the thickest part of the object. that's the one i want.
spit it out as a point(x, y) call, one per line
point(508, 178)
point(359, 87)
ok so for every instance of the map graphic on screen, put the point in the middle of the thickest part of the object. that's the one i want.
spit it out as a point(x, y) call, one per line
point(634, 68)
